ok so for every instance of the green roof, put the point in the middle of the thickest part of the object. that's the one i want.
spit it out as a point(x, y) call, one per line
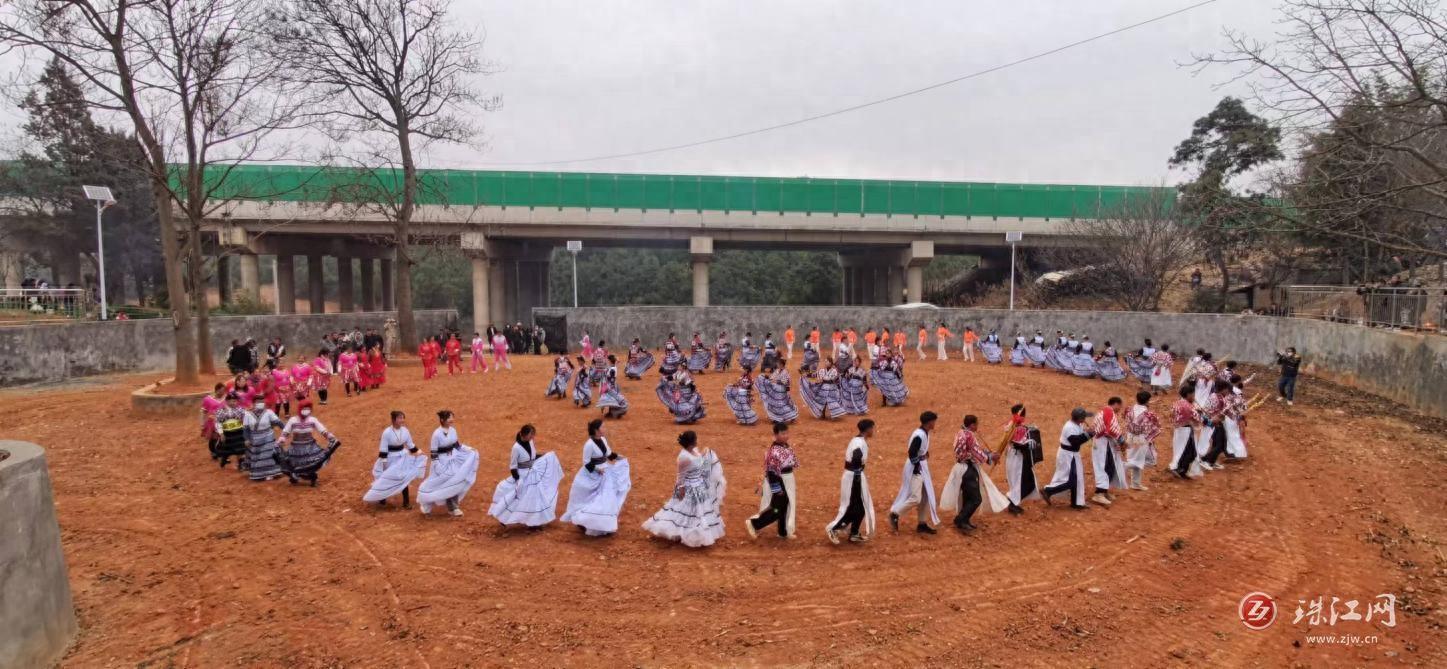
point(687, 193)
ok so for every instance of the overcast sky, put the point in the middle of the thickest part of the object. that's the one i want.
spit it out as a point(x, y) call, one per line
point(587, 78)
point(581, 79)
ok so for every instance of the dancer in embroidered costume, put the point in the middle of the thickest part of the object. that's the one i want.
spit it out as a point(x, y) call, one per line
point(691, 514)
point(856, 508)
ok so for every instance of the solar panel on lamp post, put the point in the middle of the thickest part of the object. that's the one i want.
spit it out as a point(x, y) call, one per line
point(101, 195)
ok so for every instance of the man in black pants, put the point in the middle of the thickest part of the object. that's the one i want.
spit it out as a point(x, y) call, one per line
point(1218, 408)
point(969, 455)
point(779, 491)
point(1290, 366)
point(852, 511)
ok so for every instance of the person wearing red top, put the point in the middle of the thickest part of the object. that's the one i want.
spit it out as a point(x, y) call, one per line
point(1185, 417)
point(814, 337)
point(454, 355)
point(379, 367)
point(1142, 426)
point(1020, 461)
point(834, 339)
point(967, 486)
point(428, 353)
point(778, 493)
point(1105, 453)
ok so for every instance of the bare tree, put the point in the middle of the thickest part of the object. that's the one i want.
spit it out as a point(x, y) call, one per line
point(191, 76)
point(1135, 250)
point(396, 68)
point(1362, 85)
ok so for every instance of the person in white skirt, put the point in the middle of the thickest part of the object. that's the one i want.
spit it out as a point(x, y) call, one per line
point(600, 487)
point(968, 486)
point(856, 507)
point(691, 515)
point(1020, 461)
point(454, 469)
point(1069, 470)
point(777, 495)
point(915, 487)
point(1107, 462)
point(1186, 417)
point(1161, 362)
point(1142, 426)
point(394, 470)
point(529, 495)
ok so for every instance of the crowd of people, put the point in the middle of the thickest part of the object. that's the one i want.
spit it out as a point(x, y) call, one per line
point(249, 420)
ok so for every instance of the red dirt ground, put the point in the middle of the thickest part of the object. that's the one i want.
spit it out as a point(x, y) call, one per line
point(177, 564)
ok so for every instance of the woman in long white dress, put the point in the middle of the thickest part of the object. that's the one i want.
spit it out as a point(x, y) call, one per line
point(454, 469)
point(691, 515)
point(600, 486)
point(394, 470)
point(529, 495)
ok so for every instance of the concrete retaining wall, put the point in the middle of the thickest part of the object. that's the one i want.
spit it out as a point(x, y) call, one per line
point(37, 619)
point(48, 353)
point(1408, 368)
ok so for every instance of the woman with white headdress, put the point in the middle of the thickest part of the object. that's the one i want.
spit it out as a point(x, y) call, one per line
point(991, 348)
point(394, 470)
point(691, 514)
point(888, 377)
point(600, 487)
point(699, 356)
point(773, 386)
point(454, 469)
point(529, 495)
point(639, 360)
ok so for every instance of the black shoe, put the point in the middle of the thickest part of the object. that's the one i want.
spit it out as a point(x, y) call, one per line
point(1016, 510)
point(1047, 495)
point(922, 528)
point(1079, 506)
point(894, 521)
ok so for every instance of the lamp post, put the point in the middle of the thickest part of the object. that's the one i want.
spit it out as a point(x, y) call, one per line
point(101, 195)
point(1012, 238)
point(574, 247)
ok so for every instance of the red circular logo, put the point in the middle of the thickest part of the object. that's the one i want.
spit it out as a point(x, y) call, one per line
point(1257, 611)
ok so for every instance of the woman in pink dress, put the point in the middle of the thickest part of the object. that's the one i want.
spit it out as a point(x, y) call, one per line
point(499, 352)
point(301, 380)
point(478, 344)
point(587, 343)
point(281, 386)
point(347, 362)
point(322, 375)
point(209, 405)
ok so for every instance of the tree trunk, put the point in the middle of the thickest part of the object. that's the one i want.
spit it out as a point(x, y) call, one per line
point(181, 328)
point(1225, 273)
point(201, 302)
point(402, 266)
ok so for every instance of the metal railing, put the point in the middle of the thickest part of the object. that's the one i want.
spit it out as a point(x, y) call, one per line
point(25, 303)
point(1399, 307)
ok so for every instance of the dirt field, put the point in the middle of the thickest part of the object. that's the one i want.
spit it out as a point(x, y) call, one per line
point(177, 564)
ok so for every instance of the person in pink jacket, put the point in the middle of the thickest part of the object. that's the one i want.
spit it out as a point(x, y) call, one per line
point(478, 344)
point(499, 352)
point(322, 375)
point(351, 377)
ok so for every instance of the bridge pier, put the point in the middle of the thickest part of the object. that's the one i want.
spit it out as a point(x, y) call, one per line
point(345, 301)
point(250, 276)
point(316, 289)
point(369, 292)
point(920, 254)
point(223, 279)
point(389, 302)
point(12, 264)
point(701, 250)
point(285, 283)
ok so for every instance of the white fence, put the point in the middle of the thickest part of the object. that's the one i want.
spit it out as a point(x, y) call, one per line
point(41, 302)
point(1406, 308)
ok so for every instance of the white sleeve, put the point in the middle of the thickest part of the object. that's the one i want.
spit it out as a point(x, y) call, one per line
point(439, 438)
point(407, 439)
point(512, 460)
point(290, 425)
point(382, 447)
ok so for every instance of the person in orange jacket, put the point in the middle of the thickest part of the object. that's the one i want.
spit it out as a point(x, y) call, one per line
point(971, 341)
point(923, 337)
point(942, 338)
point(789, 343)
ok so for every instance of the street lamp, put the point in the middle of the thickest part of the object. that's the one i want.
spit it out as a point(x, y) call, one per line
point(101, 195)
point(1012, 238)
point(574, 247)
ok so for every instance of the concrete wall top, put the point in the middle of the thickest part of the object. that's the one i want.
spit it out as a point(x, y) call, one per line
point(49, 353)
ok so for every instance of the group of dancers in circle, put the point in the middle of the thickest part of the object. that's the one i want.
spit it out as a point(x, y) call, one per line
point(830, 387)
point(1208, 419)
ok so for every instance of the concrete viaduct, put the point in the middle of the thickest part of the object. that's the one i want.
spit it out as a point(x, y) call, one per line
point(509, 223)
